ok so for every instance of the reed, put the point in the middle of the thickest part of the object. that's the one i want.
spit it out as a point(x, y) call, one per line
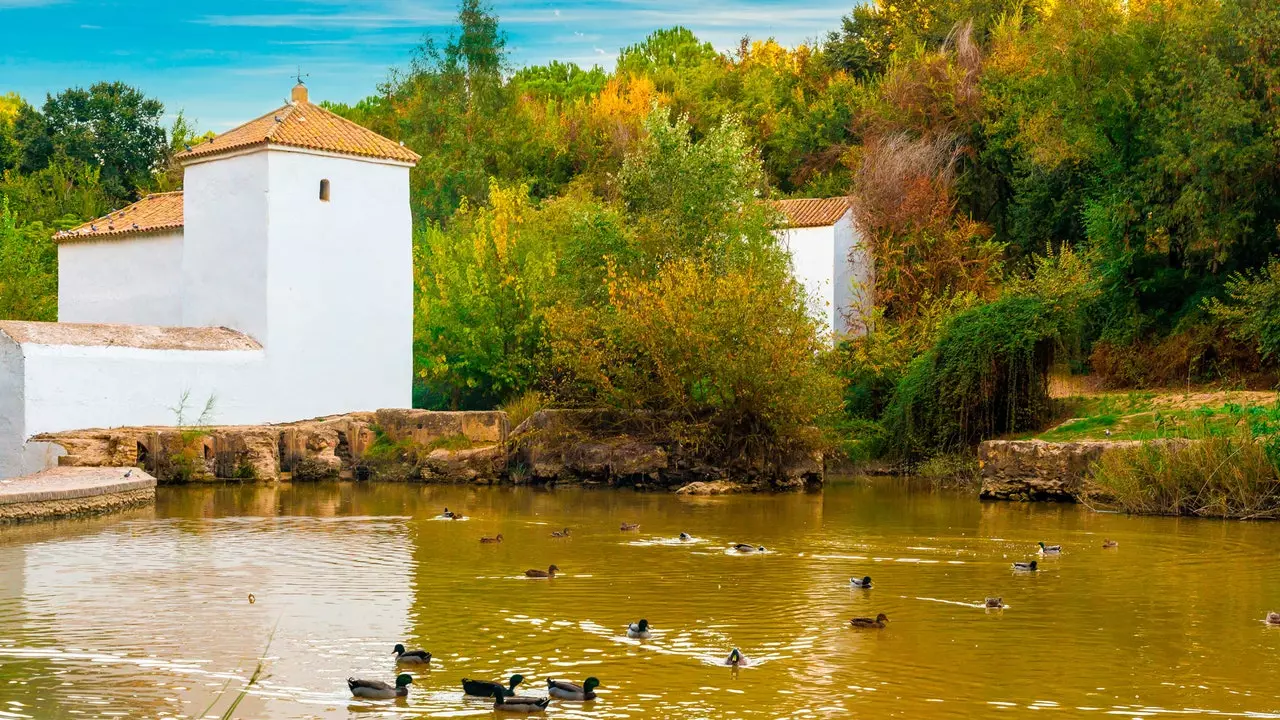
point(1228, 475)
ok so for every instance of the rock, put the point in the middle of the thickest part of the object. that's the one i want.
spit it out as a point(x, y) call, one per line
point(714, 487)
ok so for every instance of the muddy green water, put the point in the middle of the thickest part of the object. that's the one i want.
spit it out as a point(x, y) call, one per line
point(146, 614)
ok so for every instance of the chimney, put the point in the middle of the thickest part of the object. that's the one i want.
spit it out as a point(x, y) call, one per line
point(299, 93)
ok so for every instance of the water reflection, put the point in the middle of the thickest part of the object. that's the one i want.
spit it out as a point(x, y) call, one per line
point(146, 615)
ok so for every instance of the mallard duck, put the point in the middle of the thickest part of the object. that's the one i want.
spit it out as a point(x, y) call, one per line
point(411, 657)
point(485, 688)
point(638, 630)
point(1110, 544)
point(995, 603)
point(745, 548)
point(568, 691)
point(879, 622)
point(736, 659)
point(865, 582)
point(685, 537)
point(495, 539)
point(379, 690)
point(548, 573)
point(630, 526)
point(560, 533)
point(1025, 566)
point(504, 702)
point(1273, 618)
point(1050, 549)
point(447, 515)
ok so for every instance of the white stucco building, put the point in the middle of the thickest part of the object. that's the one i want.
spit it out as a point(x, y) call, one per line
point(279, 282)
point(831, 260)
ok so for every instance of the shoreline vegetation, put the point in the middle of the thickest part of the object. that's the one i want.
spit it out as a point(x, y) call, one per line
point(1090, 187)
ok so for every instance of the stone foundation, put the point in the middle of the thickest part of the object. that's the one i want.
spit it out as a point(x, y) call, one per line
point(1039, 470)
point(68, 492)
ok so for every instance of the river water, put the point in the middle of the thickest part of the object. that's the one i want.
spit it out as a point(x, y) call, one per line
point(146, 614)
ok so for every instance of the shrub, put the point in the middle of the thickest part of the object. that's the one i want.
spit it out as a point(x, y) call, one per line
point(1252, 309)
point(987, 374)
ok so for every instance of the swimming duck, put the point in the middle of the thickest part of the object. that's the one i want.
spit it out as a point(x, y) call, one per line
point(495, 539)
point(745, 548)
point(252, 599)
point(736, 659)
point(995, 603)
point(568, 691)
point(448, 515)
point(1273, 618)
point(560, 533)
point(685, 537)
point(865, 582)
point(1050, 549)
point(411, 657)
point(378, 690)
point(1025, 566)
point(862, 622)
point(1110, 544)
point(639, 630)
point(548, 573)
point(485, 688)
point(504, 702)
point(630, 526)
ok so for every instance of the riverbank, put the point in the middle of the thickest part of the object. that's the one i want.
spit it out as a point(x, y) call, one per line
point(551, 447)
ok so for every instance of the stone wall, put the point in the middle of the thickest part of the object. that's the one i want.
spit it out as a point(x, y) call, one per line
point(1039, 470)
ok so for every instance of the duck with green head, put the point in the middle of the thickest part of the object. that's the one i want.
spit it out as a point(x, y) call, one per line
point(411, 657)
point(638, 630)
point(504, 702)
point(745, 548)
point(1050, 549)
point(568, 691)
point(485, 688)
point(1025, 566)
point(864, 583)
point(378, 690)
point(736, 659)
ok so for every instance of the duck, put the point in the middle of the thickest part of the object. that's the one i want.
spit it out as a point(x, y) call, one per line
point(736, 659)
point(252, 599)
point(378, 690)
point(1050, 549)
point(685, 537)
point(630, 526)
point(448, 515)
point(865, 582)
point(1025, 566)
point(745, 548)
point(504, 702)
point(411, 657)
point(486, 688)
point(560, 533)
point(995, 603)
point(862, 622)
point(1273, 618)
point(639, 630)
point(1110, 544)
point(548, 573)
point(495, 539)
point(568, 691)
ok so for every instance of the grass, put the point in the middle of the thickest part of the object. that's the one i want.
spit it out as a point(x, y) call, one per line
point(454, 442)
point(520, 407)
point(1224, 475)
point(1151, 416)
point(951, 470)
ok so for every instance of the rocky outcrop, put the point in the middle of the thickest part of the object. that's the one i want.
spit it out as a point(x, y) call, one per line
point(604, 447)
point(1039, 470)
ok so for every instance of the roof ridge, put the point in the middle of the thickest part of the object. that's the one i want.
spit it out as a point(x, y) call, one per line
point(283, 113)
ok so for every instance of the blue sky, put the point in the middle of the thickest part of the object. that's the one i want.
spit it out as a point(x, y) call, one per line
point(229, 61)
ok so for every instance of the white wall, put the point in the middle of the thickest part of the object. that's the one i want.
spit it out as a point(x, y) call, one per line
point(340, 297)
point(71, 387)
point(811, 250)
point(12, 398)
point(135, 279)
point(224, 263)
point(855, 277)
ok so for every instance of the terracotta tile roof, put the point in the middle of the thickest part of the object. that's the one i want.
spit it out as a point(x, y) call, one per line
point(147, 337)
point(153, 213)
point(813, 212)
point(302, 124)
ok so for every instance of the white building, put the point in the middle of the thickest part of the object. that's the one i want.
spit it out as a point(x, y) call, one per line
point(279, 282)
point(830, 258)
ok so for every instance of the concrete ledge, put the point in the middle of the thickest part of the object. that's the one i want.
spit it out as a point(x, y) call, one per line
point(67, 491)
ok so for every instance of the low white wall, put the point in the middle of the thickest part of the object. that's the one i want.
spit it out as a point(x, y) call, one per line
point(811, 250)
point(135, 279)
point(72, 387)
